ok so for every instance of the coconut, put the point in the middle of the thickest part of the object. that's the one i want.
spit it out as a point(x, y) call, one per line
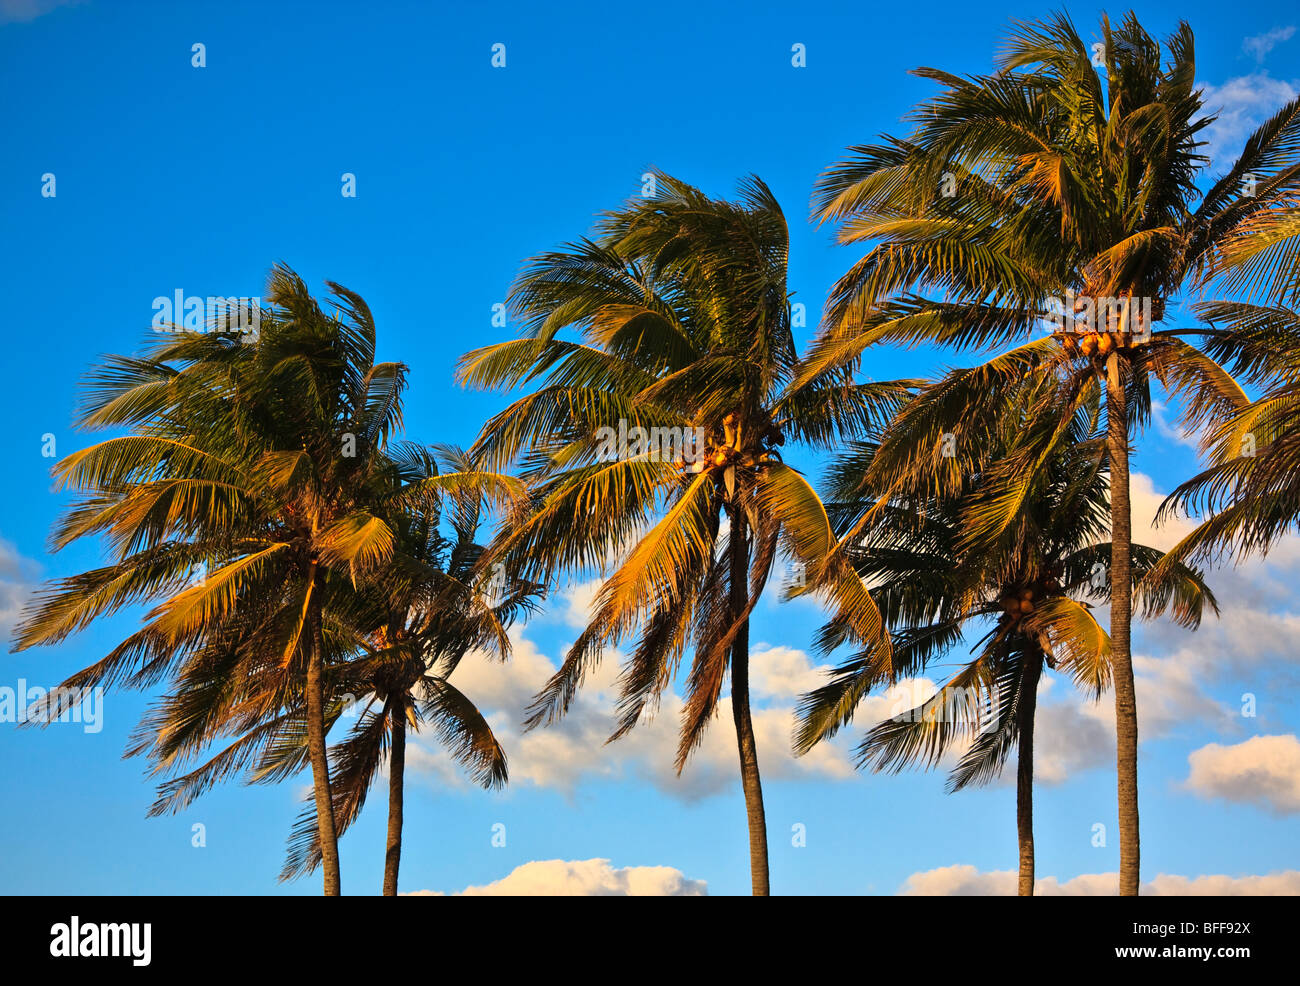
point(1105, 344)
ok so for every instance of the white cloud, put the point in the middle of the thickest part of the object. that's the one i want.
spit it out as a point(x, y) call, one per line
point(1171, 695)
point(584, 878)
point(1240, 105)
point(580, 602)
point(1078, 734)
point(1069, 735)
point(967, 881)
point(783, 672)
point(18, 577)
point(1263, 770)
point(1146, 499)
point(1250, 642)
point(1261, 44)
point(573, 750)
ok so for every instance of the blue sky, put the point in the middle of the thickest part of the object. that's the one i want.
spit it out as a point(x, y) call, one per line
point(174, 177)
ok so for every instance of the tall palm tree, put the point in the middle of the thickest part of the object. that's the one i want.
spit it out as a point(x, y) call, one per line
point(252, 461)
point(683, 328)
point(1026, 592)
point(1042, 190)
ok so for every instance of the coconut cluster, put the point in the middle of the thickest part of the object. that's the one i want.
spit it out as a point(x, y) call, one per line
point(1019, 600)
point(1123, 330)
point(1099, 343)
point(727, 446)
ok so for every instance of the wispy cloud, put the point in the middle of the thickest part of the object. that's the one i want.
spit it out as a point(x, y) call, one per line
point(18, 577)
point(1261, 44)
point(21, 11)
point(1239, 106)
point(1168, 428)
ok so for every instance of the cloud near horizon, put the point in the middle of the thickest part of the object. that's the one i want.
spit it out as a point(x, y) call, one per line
point(583, 878)
point(598, 878)
point(964, 880)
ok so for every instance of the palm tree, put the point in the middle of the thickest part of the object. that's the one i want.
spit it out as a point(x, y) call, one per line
point(684, 348)
point(1025, 591)
point(252, 461)
point(1037, 193)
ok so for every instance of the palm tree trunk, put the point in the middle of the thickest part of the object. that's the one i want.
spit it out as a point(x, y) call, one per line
point(749, 777)
point(1026, 707)
point(1121, 602)
point(320, 769)
point(396, 768)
